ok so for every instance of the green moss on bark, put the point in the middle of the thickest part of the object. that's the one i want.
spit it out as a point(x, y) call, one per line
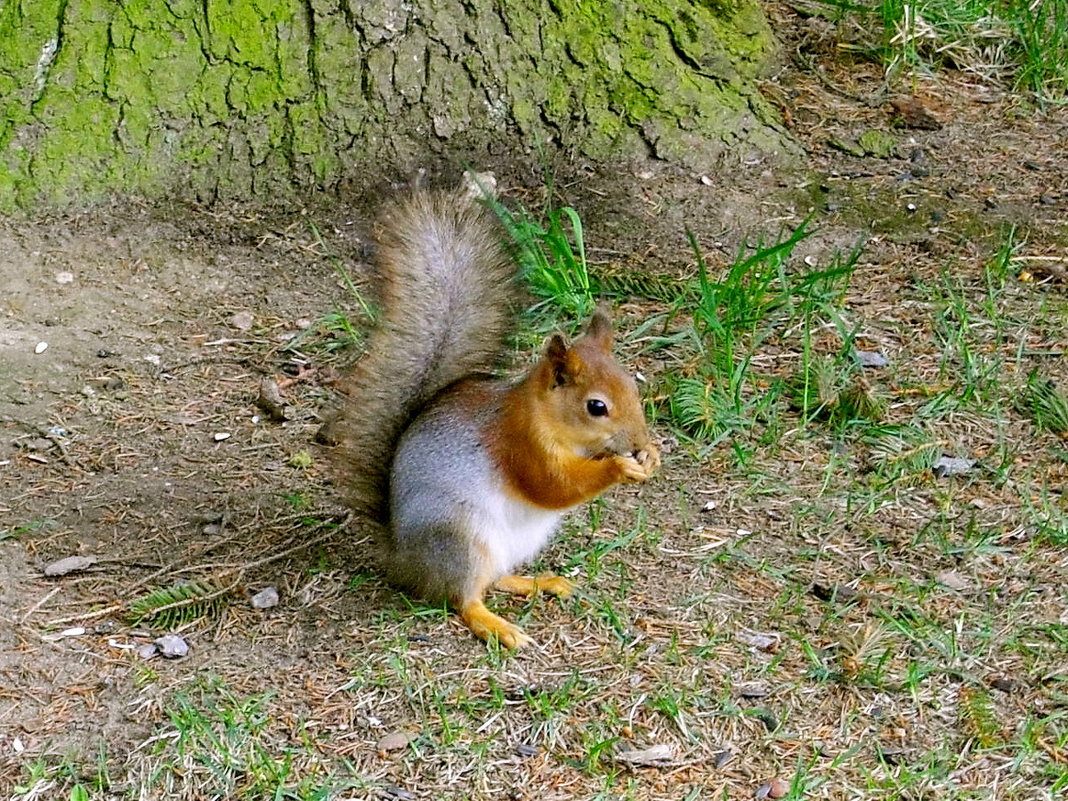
point(236, 98)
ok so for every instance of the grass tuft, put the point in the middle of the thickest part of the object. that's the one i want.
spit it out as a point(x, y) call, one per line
point(552, 257)
point(1044, 403)
point(1023, 43)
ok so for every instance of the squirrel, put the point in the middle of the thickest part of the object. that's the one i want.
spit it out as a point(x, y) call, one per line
point(470, 474)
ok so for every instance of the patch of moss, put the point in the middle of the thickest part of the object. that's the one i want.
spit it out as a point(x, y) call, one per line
point(232, 98)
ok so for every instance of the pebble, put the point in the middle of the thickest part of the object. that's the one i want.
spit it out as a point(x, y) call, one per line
point(761, 642)
point(172, 646)
point(394, 741)
point(527, 750)
point(777, 788)
point(951, 466)
point(69, 564)
point(242, 321)
point(64, 277)
point(871, 358)
point(1003, 684)
point(265, 598)
point(953, 580)
point(219, 436)
point(148, 651)
point(833, 592)
point(41, 347)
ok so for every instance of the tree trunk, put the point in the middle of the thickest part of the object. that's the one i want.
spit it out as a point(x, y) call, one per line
point(239, 98)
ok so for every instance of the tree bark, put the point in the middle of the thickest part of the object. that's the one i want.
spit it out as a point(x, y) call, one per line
point(240, 98)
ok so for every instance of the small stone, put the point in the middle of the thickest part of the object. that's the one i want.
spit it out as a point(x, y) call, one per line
point(833, 592)
point(778, 788)
point(721, 759)
point(910, 112)
point(270, 399)
point(871, 358)
point(394, 741)
point(754, 690)
point(951, 466)
point(527, 750)
point(760, 642)
point(242, 321)
point(41, 347)
point(70, 564)
point(1003, 684)
point(398, 792)
point(148, 651)
point(265, 598)
point(953, 580)
point(172, 646)
point(64, 277)
point(112, 383)
point(219, 436)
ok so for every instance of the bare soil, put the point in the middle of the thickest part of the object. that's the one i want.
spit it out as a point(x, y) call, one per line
point(135, 438)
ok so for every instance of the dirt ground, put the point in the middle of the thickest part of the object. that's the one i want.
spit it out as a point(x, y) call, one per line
point(133, 340)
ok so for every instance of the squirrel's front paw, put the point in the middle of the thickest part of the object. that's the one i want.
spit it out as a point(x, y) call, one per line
point(639, 466)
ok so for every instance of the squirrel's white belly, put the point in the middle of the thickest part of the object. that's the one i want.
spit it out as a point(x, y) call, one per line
point(516, 531)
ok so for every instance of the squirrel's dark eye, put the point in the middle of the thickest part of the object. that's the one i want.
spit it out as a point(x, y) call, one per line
point(596, 407)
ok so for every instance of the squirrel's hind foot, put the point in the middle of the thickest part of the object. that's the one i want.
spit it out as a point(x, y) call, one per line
point(532, 585)
point(486, 626)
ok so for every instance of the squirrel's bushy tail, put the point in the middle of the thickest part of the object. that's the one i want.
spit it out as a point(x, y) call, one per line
point(445, 286)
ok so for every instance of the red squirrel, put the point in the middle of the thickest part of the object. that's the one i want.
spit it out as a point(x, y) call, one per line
point(471, 475)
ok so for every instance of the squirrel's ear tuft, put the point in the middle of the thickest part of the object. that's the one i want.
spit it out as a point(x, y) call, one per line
point(561, 360)
point(599, 331)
